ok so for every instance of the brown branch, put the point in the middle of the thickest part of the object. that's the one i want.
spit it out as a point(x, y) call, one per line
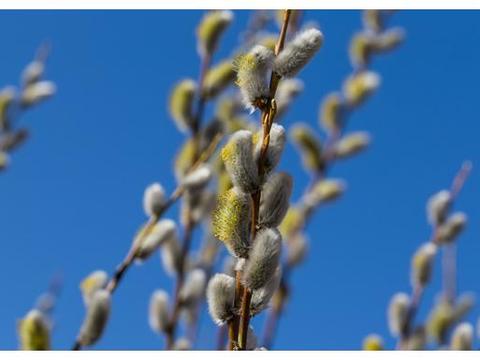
point(268, 115)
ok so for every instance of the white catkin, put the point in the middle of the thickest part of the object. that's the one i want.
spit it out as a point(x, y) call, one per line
point(276, 145)
point(298, 52)
point(252, 75)
point(33, 72)
point(170, 254)
point(36, 92)
point(422, 263)
point(237, 156)
point(438, 206)
point(154, 200)
point(297, 247)
point(397, 313)
point(220, 298)
point(162, 231)
point(93, 282)
point(462, 337)
point(194, 287)
point(264, 258)
point(452, 227)
point(96, 318)
point(274, 201)
point(198, 178)
point(158, 315)
point(261, 297)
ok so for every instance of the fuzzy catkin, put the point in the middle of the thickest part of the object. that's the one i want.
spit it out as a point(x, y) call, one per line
point(373, 342)
point(37, 92)
point(357, 88)
point(275, 148)
point(210, 29)
point(309, 145)
point(252, 70)
point(194, 287)
point(217, 79)
point(438, 206)
point(331, 113)
point(231, 222)
point(297, 247)
point(352, 144)
point(462, 337)
point(237, 155)
point(397, 313)
point(154, 200)
point(34, 331)
point(220, 297)
point(161, 233)
point(263, 258)
point(287, 91)
point(274, 201)
point(96, 318)
point(298, 52)
point(261, 297)
point(170, 254)
point(93, 282)
point(158, 315)
point(422, 263)
point(198, 178)
point(181, 104)
point(451, 228)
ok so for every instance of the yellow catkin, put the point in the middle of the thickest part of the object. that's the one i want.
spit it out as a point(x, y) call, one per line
point(330, 113)
point(34, 332)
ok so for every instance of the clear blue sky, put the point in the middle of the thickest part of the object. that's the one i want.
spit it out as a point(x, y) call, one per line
point(72, 197)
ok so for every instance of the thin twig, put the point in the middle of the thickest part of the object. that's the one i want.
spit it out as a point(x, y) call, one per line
point(267, 121)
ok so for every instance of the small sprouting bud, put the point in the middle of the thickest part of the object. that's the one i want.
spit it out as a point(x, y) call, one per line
point(297, 247)
point(438, 206)
point(220, 298)
point(462, 337)
point(417, 340)
point(96, 318)
point(451, 228)
point(194, 287)
point(389, 40)
point(33, 72)
point(217, 79)
point(181, 104)
point(398, 313)
point(422, 263)
point(170, 254)
point(198, 178)
point(274, 201)
point(210, 29)
point(37, 92)
point(352, 144)
point(358, 87)
point(373, 342)
point(261, 297)
point(161, 232)
point(287, 91)
point(237, 156)
point(252, 76)
point(158, 315)
point(182, 344)
point(92, 283)
point(34, 331)
point(231, 222)
point(372, 20)
point(331, 113)
point(154, 200)
point(309, 146)
point(263, 258)
point(298, 52)
point(275, 146)
point(324, 191)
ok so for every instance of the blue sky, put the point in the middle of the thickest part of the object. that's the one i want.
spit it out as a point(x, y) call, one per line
point(72, 197)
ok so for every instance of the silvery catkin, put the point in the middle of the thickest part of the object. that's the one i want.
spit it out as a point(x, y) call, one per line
point(274, 201)
point(263, 258)
point(96, 318)
point(161, 233)
point(220, 297)
point(93, 282)
point(298, 52)
point(158, 315)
